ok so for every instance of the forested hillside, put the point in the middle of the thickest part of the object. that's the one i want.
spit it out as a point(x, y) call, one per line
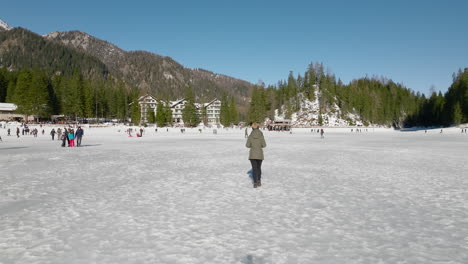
point(41, 93)
point(448, 109)
point(155, 74)
point(377, 101)
point(21, 48)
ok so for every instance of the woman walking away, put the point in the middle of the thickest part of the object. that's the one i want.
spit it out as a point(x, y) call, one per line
point(256, 143)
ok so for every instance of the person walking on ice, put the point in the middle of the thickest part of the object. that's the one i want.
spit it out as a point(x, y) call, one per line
point(321, 133)
point(256, 143)
point(79, 135)
point(52, 133)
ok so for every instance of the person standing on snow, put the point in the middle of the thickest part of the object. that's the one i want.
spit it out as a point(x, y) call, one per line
point(256, 143)
point(321, 133)
point(64, 137)
point(71, 137)
point(52, 133)
point(79, 134)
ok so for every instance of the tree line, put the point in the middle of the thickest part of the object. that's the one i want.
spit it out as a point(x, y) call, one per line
point(43, 94)
point(376, 100)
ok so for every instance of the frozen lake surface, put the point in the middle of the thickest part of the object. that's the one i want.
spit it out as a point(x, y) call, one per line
point(375, 197)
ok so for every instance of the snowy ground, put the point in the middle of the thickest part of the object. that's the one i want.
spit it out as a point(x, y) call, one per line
point(375, 197)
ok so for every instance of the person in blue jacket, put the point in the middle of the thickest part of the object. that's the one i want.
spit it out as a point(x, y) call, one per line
point(79, 134)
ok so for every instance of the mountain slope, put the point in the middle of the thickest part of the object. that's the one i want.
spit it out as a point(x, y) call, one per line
point(21, 48)
point(153, 73)
point(4, 26)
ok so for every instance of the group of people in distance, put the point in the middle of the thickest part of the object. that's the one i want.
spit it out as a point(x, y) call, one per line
point(68, 136)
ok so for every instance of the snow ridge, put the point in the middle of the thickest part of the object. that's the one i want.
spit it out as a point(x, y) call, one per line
point(4, 25)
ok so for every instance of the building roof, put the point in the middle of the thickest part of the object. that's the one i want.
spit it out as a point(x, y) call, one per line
point(7, 107)
point(174, 103)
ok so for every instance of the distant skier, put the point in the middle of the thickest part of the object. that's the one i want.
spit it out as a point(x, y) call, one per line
point(8, 132)
point(52, 133)
point(256, 143)
point(321, 133)
point(17, 131)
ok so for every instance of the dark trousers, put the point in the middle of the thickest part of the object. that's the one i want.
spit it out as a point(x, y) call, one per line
point(256, 169)
point(78, 141)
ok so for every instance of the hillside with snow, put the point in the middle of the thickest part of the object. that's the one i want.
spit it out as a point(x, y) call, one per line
point(309, 113)
point(4, 25)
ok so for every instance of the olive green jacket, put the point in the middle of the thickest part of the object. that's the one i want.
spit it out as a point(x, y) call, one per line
point(256, 142)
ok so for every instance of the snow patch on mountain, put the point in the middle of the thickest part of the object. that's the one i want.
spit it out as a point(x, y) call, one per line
point(309, 112)
point(168, 76)
point(4, 25)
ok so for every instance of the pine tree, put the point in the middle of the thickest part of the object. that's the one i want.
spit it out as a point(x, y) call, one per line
point(233, 114)
point(203, 114)
point(257, 111)
point(457, 114)
point(225, 117)
point(3, 84)
point(168, 113)
point(73, 103)
point(160, 115)
point(39, 91)
point(22, 96)
point(150, 116)
point(135, 111)
point(189, 113)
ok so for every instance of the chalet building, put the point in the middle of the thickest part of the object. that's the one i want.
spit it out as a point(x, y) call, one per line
point(149, 103)
point(176, 108)
point(213, 111)
point(8, 112)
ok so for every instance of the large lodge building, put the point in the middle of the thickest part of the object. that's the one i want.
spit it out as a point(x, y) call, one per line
point(149, 103)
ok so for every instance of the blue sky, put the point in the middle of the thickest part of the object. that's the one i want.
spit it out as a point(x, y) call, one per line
point(417, 43)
